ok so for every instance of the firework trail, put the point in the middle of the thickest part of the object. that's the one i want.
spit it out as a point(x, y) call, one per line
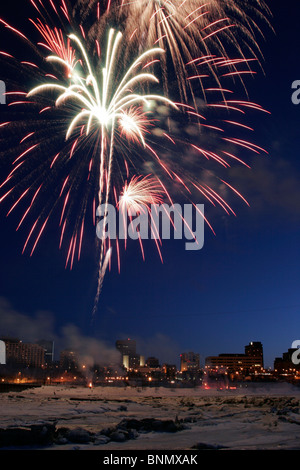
point(187, 30)
point(92, 130)
point(103, 108)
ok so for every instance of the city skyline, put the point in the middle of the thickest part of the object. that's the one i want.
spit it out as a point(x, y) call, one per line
point(243, 283)
point(129, 348)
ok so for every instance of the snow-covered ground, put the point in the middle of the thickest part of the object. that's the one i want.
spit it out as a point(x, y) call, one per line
point(260, 417)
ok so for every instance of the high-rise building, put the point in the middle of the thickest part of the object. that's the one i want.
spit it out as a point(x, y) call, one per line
point(142, 361)
point(126, 346)
point(68, 360)
point(129, 358)
point(48, 351)
point(189, 362)
point(125, 361)
point(255, 349)
point(23, 354)
point(152, 362)
point(170, 371)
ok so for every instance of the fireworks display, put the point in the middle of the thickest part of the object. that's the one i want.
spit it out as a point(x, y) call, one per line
point(186, 29)
point(95, 124)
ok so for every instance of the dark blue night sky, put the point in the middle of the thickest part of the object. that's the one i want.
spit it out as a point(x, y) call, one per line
point(242, 286)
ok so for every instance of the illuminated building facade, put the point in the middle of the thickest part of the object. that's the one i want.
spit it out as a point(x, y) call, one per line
point(68, 360)
point(189, 362)
point(129, 357)
point(251, 360)
point(23, 354)
point(255, 349)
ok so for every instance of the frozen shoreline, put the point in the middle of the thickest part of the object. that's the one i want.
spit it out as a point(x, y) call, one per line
point(264, 416)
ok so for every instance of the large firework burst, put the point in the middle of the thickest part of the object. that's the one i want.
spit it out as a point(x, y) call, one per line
point(187, 30)
point(106, 105)
point(90, 133)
